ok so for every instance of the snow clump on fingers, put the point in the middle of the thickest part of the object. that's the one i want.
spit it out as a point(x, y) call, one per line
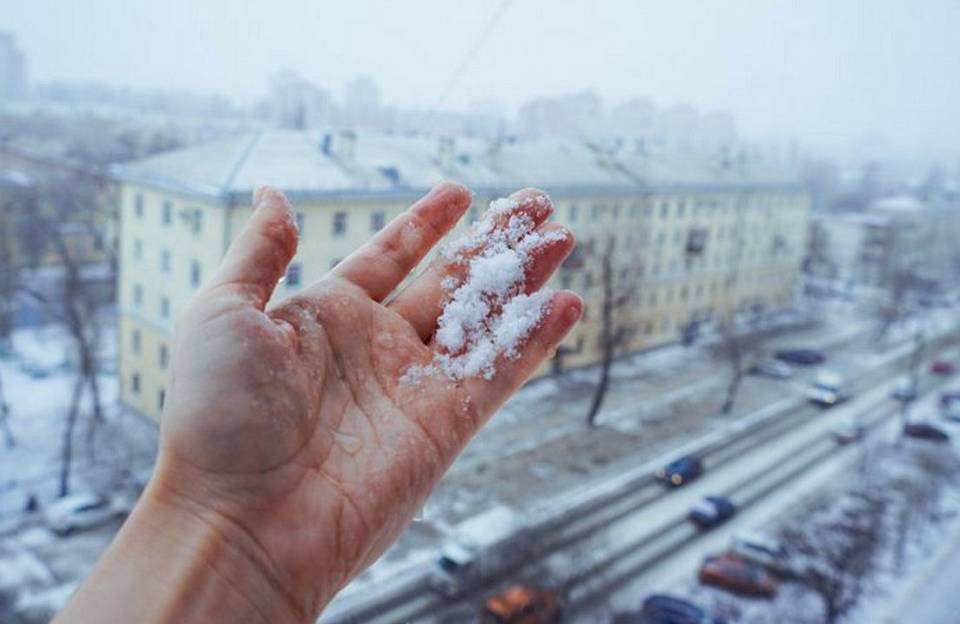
point(489, 314)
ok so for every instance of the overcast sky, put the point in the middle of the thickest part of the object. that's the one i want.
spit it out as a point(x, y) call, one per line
point(822, 71)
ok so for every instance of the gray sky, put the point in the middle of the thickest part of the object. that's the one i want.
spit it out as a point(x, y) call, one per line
point(826, 72)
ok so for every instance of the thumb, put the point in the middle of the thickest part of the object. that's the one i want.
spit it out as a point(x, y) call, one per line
point(258, 257)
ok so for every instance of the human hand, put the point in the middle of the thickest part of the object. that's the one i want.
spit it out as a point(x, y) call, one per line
point(287, 431)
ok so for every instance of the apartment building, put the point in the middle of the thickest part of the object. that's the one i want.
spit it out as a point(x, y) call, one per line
point(693, 240)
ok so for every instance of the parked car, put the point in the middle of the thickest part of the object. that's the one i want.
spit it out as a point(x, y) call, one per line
point(770, 367)
point(34, 370)
point(765, 551)
point(712, 511)
point(81, 511)
point(905, 390)
point(667, 609)
point(848, 432)
point(925, 431)
point(942, 367)
point(949, 397)
point(951, 411)
point(829, 388)
point(804, 357)
point(680, 471)
point(521, 604)
point(738, 576)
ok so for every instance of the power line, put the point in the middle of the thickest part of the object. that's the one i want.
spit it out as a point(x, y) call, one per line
point(472, 52)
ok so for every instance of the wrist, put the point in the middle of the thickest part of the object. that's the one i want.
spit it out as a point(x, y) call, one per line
point(176, 561)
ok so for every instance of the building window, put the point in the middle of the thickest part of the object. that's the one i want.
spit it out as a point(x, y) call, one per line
point(595, 211)
point(616, 212)
point(197, 221)
point(681, 209)
point(377, 220)
point(135, 383)
point(165, 261)
point(301, 222)
point(335, 262)
point(137, 294)
point(163, 356)
point(161, 397)
point(293, 275)
point(573, 213)
point(137, 249)
point(138, 205)
point(164, 307)
point(587, 280)
point(167, 212)
point(664, 210)
point(194, 273)
point(135, 341)
point(339, 223)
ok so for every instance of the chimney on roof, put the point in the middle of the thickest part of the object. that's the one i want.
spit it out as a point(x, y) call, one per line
point(341, 145)
point(494, 148)
point(446, 152)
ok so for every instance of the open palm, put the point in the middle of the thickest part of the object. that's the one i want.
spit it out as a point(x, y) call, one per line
point(289, 427)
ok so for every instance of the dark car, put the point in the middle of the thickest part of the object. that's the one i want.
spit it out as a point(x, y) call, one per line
point(804, 357)
point(680, 471)
point(712, 511)
point(667, 609)
point(738, 576)
point(924, 431)
point(942, 367)
point(949, 397)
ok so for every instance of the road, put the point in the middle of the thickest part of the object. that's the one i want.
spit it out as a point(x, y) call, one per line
point(637, 540)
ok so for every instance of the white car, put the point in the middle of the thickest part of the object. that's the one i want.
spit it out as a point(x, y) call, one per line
point(81, 511)
point(765, 551)
point(904, 390)
point(770, 367)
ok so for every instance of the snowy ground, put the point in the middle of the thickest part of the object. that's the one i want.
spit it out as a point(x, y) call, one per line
point(37, 569)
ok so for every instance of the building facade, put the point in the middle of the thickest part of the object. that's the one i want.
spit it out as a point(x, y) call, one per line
point(692, 242)
point(13, 68)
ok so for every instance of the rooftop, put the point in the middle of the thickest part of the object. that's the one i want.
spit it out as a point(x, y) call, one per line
point(311, 163)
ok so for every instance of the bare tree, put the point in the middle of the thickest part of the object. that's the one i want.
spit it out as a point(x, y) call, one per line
point(617, 325)
point(840, 549)
point(8, 436)
point(913, 368)
point(738, 346)
point(74, 301)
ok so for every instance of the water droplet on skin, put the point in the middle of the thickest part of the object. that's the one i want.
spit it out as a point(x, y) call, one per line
point(348, 442)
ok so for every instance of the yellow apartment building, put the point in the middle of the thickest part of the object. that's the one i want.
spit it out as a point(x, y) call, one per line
point(694, 239)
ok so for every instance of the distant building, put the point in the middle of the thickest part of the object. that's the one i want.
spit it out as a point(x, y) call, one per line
point(866, 250)
point(696, 241)
point(13, 68)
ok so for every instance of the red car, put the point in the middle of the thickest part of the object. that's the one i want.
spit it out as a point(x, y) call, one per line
point(942, 367)
point(738, 576)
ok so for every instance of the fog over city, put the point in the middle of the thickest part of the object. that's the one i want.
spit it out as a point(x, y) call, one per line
point(829, 74)
point(486, 311)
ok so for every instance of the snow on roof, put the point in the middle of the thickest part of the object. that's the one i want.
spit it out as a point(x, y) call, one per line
point(857, 218)
point(298, 162)
point(898, 203)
